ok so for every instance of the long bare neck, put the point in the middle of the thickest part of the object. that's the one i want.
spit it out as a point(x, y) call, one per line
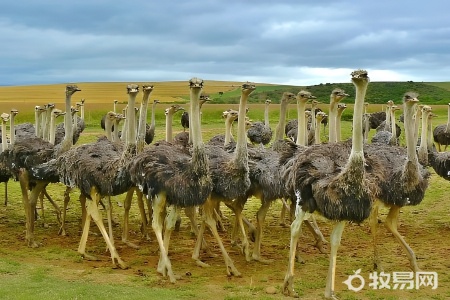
point(317, 131)
point(4, 137)
point(228, 134)
point(52, 129)
point(68, 126)
point(388, 118)
point(48, 114)
point(422, 152)
point(108, 129)
point(43, 121)
point(394, 128)
point(169, 120)
point(123, 136)
point(282, 122)
point(357, 136)
point(409, 135)
point(332, 121)
point(82, 111)
point(447, 129)
point(12, 132)
point(266, 115)
point(301, 128)
point(131, 120)
point(37, 125)
point(338, 125)
point(241, 155)
point(194, 122)
point(152, 122)
point(143, 116)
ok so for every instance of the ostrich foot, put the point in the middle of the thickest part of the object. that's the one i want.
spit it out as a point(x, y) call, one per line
point(231, 269)
point(32, 244)
point(245, 250)
point(262, 260)
point(62, 231)
point(319, 245)
point(89, 257)
point(166, 270)
point(299, 259)
point(118, 262)
point(331, 296)
point(130, 244)
point(288, 287)
point(201, 264)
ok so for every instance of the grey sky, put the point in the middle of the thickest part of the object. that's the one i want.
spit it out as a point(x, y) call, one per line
point(288, 42)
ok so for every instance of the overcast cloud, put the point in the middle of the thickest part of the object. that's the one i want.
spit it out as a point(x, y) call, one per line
point(286, 42)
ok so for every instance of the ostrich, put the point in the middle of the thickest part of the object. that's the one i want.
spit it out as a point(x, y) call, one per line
point(230, 177)
point(169, 112)
point(32, 151)
point(102, 120)
point(312, 127)
point(319, 117)
point(336, 96)
point(261, 133)
point(406, 179)
point(161, 173)
point(5, 173)
point(185, 120)
point(286, 98)
point(341, 187)
point(441, 133)
point(387, 132)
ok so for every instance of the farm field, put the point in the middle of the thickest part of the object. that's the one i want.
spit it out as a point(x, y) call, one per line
point(56, 271)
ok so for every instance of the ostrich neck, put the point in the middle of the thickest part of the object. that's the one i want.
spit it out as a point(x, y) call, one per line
point(131, 120)
point(332, 121)
point(417, 116)
point(115, 107)
point(169, 120)
point(409, 135)
point(357, 136)
point(52, 129)
point(281, 123)
point(430, 141)
point(42, 119)
point(228, 135)
point(152, 124)
point(108, 129)
point(301, 130)
point(143, 116)
point(4, 141)
point(422, 152)
point(82, 111)
point(68, 126)
point(447, 129)
point(48, 113)
point(317, 131)
point(338, 125)
point(37, 126)
point(266, 115)
point(388, 118)
point(12, 132)
point(313, 117)
point(241, 155)
point(199, 158)
point(393, 127)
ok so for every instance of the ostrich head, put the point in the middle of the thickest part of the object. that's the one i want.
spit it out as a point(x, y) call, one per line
point(73, 110)
point(204, 99)
point(320, 116)
point(71, 89)
point(305, 96)
point(116, 101)
point(411, 97)
point(155, 101)
point(5, 117)
point(247, 88)
point(82, 101)
point(268, 101)
point(132, 89)
point(230, 114)
point(39, 109)
point(120, 117)
point(14, 112)
point(287, 97)
point(196, 83)
point(49, 106)
point(58, 112)
point(338, 94)
point(112, 116)
point(342, 106)
point(173, 109)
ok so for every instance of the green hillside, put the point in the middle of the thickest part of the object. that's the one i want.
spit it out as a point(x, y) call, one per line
point(378, 92)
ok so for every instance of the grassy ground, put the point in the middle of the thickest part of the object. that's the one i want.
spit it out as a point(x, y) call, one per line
point(56, 271)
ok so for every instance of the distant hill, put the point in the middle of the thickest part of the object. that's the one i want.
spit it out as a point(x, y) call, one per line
point(377, 92)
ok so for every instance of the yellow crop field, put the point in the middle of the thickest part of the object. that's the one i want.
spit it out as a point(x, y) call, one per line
point(106, 92)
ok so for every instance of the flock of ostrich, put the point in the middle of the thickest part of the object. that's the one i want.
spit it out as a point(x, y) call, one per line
point(341, 180)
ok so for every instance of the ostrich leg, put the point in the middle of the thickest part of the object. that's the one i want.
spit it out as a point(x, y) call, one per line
point(164, 264)
point(391, 223)
point(238, 206)
point(62, 229)
point(169, 225)
point(127, 206)
point(296, 231)
point(209, 219)
point(144, 220)
point(373, 221)
point(335, 242)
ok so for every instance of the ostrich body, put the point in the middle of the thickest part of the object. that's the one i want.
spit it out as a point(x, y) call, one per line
point(260, 133)
point(406, 180)
point(441, 133)
point(185, 120)
point(340, 187)
point(171, 177)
